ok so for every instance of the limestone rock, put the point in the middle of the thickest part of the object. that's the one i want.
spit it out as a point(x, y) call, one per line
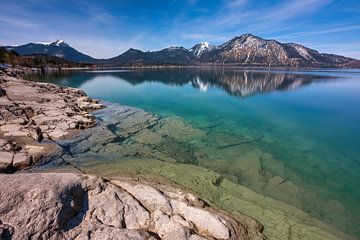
point(21, 159)
point(32, 112)
point(6, 159)
point(72, 206)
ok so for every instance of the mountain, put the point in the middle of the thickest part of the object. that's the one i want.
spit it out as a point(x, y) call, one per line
point(130, 56)
point(245, 50)
point(167, 56)
point(35, 60)
point(173, 55)
point(199, 49)
point(249, 50)
point(58, 48)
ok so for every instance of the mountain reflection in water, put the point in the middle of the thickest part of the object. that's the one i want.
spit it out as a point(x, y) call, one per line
point(240, 83)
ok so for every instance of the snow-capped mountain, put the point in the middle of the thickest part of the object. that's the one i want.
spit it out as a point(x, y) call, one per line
point(201, 48)
point(244, 50)
point(58, 48)
point(250, 50)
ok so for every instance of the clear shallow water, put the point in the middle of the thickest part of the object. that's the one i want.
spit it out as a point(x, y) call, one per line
point(294, 136)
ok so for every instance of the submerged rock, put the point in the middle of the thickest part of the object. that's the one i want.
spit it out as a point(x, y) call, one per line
point(72, 206)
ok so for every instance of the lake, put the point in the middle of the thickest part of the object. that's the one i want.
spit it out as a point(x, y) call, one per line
point(290, 135)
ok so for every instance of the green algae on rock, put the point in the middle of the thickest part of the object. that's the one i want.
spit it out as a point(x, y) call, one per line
point(280, 220)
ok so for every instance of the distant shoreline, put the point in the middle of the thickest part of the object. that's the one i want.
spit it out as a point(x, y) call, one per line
point(230, 66)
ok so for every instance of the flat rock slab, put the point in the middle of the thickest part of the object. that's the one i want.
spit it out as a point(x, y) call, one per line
point(32, 112)
point(73, 206)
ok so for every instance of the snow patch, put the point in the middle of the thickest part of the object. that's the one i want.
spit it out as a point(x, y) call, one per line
point(59, 42)
point(56, 43)
point(200, 48)
point(303, 52)
point(44, 43)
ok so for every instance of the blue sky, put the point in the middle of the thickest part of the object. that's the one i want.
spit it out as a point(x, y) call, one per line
point(109, 27)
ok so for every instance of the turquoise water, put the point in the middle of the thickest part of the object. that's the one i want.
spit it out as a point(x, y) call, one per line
point(294, 136)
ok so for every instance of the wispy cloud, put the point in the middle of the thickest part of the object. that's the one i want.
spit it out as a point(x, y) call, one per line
point(348, 49)
point(321, 32)
point(291, 9)
point(204, 37)
point(235, 3)
point(239, 16)
point(17, 22)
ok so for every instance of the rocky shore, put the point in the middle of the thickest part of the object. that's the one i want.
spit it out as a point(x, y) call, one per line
point(73, 206)
point(33, 116)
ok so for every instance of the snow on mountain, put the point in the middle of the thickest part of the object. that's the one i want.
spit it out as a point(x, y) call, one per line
point(303, 51)
point(55, 43)
point(44, 43)
point(200, 48)
point(60, 43)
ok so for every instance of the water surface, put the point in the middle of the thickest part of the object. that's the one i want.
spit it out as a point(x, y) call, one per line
point(290, 135)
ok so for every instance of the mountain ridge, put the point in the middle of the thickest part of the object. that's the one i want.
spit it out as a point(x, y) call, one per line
point(58, 48)
point(250, 50)
point(244, 50)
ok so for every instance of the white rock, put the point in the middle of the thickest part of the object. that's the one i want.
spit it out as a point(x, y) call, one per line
point(207, 224)
point(21, 160)
point(6, 159)
point(150, 197)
